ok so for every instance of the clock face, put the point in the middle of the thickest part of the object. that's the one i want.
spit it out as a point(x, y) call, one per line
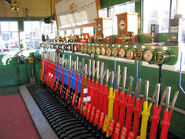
point(99, 27)
point(148, 55)
point(93, 50)
point(130, 54)
point(138, 55)
point(121, 52)
point(115, 52)
point(109, 51)
point(98, 50)
point(102, 50)
point(122, 24)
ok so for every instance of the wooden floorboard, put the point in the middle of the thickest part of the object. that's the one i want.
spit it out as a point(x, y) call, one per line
point(43, 127)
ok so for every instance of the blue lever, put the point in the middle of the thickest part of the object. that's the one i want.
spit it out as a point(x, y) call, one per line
point(180, 75)
point(67, 77)
point(45, 66)
point(71, 81)
point(79, 83)
point(56, 72)
point(60, 73)
point(65, 74)
point(74, 80)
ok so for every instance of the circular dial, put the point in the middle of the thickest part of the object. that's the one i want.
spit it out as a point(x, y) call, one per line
point(85, 49)
point(108, 51)
point(81, 49)
point(148, 55)
point(74, 48)
point(138, 55)
point(159, 57)
point(130, 54)
point(102, 50)
point(93, 50)
point(115, 52)
point(121, 52)
point(98, 50)
point(90, 49)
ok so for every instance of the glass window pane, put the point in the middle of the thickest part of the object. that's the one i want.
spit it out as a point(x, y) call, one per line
point(4, 26)
point(13, 26)
point(9, 37)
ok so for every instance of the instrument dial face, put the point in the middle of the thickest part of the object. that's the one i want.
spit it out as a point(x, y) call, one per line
point(115, 52)
point(75, 48)
point(102, 50)
point(81, 49)
point(98, 50)
point(121, 52)
point(138, 55)
point(148, 55)
point(108, 51)
point(90, 49)
point(93, 50)
point(159, 57)
point(130, 54)
point(85, 49)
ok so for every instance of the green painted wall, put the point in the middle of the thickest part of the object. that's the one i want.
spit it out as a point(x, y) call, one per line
point(109, 3)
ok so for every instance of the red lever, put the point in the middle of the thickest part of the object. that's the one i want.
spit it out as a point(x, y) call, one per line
point(155, 121)
point(123, 133)
point(69, 81)
point(117, 130)
point(92, 114)
point(92, 92)
point(111, 127)
point(123, 103)
point(165, 124)
point(100, 97)
point(100, 124)
point(137, 114)
point(130, 107)
point(96, 118)
point(105, 100)
point(131, 135)
point(96, 91)
point(116, 106)
point(82, 86)
point(88, 111)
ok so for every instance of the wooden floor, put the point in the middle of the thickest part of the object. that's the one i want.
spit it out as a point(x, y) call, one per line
point(43, 127)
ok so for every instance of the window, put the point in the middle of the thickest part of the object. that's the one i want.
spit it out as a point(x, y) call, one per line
point(157, 12)
point(33, 31)
point(9, 37)
point(88, 30)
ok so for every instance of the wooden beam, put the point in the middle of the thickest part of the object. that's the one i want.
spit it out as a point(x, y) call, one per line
point(43, 127)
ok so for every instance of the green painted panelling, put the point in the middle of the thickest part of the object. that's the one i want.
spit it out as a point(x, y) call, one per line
point(23, 75)
point(21, 25)
point(9, 90)
point(138, 7)
point(169, 78)
point(21, 18)
point(12, 73)
point(109, 3)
